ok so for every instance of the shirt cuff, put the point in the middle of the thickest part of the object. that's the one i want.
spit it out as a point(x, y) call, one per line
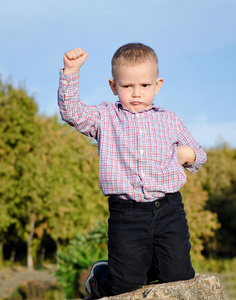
point(196, 165)
point(66, 81)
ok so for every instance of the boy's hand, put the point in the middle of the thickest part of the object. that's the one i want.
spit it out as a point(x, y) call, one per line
point(185, 155)
point(73, 60)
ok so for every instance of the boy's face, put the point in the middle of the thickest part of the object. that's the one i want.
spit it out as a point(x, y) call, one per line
point(136, 85)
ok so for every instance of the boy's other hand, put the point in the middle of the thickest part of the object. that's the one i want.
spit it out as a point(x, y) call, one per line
point(185, 155)
point(73, 60)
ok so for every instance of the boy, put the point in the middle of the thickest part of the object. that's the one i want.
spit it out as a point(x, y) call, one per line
point(142, 149)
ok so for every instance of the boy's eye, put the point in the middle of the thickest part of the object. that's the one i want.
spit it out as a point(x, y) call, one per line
point(126, 86)
point(145, 85)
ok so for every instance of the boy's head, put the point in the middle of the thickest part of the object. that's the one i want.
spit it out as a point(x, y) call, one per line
point(133, 54)
point(135, 76)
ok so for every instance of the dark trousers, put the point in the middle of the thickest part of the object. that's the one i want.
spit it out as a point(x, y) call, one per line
point(146, 242)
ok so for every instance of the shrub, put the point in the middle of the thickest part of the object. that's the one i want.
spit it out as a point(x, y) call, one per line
point(79, 255)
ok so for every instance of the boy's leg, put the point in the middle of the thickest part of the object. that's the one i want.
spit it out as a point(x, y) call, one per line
point(130, 249)
point(139, 234)
point(171, 254)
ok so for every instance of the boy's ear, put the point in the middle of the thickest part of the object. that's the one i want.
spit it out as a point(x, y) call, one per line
point(159, 83)
point(112, 84)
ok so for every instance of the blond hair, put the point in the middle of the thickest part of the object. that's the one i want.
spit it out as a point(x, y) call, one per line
point(133, 54)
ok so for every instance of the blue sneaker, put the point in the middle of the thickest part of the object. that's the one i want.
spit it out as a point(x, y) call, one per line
point(95, 268)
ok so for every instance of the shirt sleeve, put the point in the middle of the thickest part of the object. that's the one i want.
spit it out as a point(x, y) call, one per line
point(85, 118)
point(186, 139)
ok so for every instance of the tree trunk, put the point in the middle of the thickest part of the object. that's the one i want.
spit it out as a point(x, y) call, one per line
point(30, 264)
point(13, 254)
point(1, 252)
point(43, 252)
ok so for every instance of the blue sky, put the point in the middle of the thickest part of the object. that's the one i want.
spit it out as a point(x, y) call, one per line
point(195, 42)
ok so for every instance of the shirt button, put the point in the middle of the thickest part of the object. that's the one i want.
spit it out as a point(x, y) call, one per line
point(137, 115)
point(157, 203)
point(143, 174)
point(141, 131)
point(141, 151)
point(64, 81)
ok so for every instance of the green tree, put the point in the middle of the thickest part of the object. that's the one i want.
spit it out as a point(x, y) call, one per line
point(218, 178)
point(20, 174)
point(49, 175)
point(202, 223)
point(74, 200)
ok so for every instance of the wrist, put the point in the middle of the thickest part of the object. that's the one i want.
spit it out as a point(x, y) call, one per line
point(69, 71)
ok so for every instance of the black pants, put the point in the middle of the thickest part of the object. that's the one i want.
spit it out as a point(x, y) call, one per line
point(146, 242)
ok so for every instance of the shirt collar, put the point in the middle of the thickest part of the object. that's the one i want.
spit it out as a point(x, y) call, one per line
point(119, 105)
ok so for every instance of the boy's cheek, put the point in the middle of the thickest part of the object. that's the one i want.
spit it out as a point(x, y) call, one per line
point(122, 96)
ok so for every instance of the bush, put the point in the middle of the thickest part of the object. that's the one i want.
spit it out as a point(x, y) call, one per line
point(215, 265)
point(79, 255)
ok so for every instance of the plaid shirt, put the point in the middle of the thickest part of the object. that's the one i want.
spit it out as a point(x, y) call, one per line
point(137, 151)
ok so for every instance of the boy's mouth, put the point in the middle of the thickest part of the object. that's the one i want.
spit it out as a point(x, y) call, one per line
point(136, 102)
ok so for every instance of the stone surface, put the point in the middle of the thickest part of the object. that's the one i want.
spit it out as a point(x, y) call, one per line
point(201, 287)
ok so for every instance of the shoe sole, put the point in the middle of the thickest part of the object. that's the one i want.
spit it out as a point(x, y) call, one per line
point(91, 274)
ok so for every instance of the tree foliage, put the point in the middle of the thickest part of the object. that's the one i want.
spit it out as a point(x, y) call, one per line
point(18, 133)
point(49, 175)
point(202, 223)
point(219, 180)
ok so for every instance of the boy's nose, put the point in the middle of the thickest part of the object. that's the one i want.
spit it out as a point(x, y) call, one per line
point(136, 92)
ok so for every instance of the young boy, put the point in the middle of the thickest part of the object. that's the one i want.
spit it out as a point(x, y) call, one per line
point(142, 149)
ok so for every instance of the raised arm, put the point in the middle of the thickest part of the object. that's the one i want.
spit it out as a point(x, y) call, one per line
point(85, 118)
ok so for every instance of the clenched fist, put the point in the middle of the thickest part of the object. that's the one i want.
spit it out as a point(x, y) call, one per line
point(185, 155)
point(73, 60)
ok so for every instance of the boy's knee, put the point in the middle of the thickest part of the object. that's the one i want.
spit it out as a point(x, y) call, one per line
point(178, 275)
point(125, 284)
point(120, 289)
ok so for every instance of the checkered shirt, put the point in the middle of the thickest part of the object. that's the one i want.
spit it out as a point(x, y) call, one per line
point(137, 151)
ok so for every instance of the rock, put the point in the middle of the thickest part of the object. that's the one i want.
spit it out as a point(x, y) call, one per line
point(200, 287)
